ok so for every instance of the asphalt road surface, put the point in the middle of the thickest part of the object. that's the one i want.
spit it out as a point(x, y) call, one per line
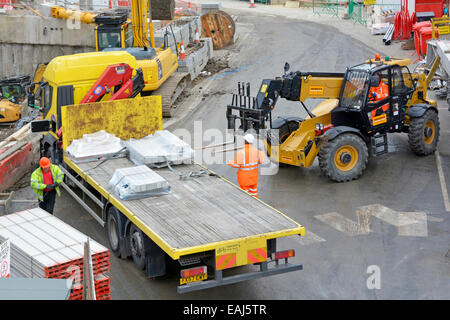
point(344, 257)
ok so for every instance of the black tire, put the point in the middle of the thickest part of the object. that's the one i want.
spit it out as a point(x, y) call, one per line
point(345, 147)
point(423, 133)
point(283, 133)
point(112, 228)
point(137, 246)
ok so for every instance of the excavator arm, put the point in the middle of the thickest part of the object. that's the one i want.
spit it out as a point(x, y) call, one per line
point(254, 112)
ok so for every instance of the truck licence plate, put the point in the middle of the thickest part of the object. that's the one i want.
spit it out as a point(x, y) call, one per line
point(196, 278)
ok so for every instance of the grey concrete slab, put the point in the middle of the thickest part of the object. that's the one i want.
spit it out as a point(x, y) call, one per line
point(35, 289)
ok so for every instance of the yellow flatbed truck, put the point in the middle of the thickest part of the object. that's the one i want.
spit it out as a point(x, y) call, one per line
point(206, 223)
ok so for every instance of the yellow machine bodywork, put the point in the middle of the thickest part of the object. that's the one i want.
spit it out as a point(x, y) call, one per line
point(9, 111)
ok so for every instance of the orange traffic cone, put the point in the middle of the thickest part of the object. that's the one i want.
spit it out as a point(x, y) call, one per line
point(182, 52)
point(197, 36)
point(252, 4)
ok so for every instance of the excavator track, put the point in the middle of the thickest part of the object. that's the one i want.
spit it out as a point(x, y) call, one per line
point(170, 91)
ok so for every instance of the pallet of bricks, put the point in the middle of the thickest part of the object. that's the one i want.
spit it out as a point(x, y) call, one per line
point(43, 246)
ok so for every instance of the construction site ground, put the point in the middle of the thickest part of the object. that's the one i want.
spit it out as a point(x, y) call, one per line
point(340, 250)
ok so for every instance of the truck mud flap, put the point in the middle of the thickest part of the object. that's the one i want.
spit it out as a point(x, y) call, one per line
point(219, 280)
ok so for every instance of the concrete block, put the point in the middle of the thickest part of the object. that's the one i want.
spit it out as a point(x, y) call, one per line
point(196, 61)
point(183, 29)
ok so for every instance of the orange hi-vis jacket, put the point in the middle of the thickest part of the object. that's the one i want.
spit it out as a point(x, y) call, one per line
point(247, 160)
point(382, 91)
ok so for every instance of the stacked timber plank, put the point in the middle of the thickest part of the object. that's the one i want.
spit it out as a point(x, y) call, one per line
point(43, 246)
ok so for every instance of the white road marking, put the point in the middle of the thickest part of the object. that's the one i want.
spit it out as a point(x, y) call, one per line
point(411, 224)
point(434, 219)
point(388, 215)
point(442, 181)
point(307, 239)
point(343, 224)
point(417, 229)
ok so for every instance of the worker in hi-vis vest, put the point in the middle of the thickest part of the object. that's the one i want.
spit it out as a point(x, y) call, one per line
point(247, 161)
point(45, 182)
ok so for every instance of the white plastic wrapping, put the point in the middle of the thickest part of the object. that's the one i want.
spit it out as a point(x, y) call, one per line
point(138, 182)
point(94, 146)
point(159, 148)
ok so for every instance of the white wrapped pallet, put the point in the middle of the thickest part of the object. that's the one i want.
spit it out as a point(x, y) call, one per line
point(159, 148)
point(138, 182)
point(94, 146)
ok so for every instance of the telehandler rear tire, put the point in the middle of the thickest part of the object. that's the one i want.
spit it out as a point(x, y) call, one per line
point(344, 158)
point(424, 133)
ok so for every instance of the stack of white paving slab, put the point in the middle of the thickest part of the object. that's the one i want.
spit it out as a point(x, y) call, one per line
point(95, 146)
point(43, 246)
point(158, 149)
point(138, 182)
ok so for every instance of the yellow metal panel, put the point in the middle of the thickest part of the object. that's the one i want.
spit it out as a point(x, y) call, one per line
point(379, 119)
point(127, 118)
point(320, 88)
point(324, 107)
point(291, 151)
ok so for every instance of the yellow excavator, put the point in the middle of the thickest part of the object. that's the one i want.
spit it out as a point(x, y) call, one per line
point(115, 32)
point(12, 95)
point(351, 124)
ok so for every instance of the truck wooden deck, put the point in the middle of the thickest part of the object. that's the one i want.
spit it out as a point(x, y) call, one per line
point(204, 220)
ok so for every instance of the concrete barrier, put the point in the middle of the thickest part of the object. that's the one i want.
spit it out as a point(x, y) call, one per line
point(183, 29)
point(27, 41)
point(197, 60)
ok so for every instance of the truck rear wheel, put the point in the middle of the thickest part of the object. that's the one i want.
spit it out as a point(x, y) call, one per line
point(424, 133)
point(112, 227)
point(137, 246)
point(344, 158)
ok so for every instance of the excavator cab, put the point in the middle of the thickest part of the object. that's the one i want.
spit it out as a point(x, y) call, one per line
point(113, 30)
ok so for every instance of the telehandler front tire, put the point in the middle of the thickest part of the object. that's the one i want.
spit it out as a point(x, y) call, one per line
point(423, 133)
point(344, 158)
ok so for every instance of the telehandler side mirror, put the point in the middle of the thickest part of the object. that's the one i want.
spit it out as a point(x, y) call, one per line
point(286, 68)
point(43, 125)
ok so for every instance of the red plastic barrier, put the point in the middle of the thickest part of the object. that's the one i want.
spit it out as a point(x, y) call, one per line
point(426, 34)
point(13, 167)
point(430, 5)
point(416, 30)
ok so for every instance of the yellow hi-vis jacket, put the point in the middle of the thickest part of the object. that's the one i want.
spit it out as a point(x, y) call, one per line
point(37, 180)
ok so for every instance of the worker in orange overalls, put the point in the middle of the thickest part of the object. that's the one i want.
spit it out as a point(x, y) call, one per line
point(247, 161)
point(379, 93)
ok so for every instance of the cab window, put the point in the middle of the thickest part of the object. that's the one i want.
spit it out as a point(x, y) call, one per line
point(128, 37)
point(108, 40)
point(399, 85)
point(46, 98)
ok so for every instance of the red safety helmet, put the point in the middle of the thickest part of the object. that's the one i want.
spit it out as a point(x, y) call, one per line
point(45, 162)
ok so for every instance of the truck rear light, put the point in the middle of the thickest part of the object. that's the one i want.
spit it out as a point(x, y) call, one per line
point(284, 254)
point(193, 272)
